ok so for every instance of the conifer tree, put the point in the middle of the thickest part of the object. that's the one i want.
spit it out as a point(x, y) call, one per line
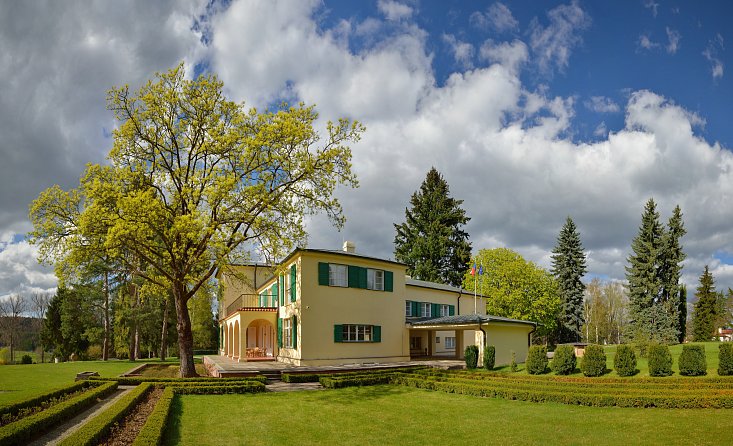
point(432, 241)
point(671, 256)
point(704, 313)
point(568, 267)
point(682, 313)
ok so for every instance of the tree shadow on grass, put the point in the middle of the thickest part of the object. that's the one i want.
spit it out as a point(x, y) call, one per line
point(172, 434)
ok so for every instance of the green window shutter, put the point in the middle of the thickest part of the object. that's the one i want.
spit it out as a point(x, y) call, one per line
point(295, 331)
point(388, 280)
point(353, 277)
point(362, 278)
point(293, 282)
point(281, 288)
point(338, 333)
point(261, 303)
point(415, 308)
point(273, 291)
point(279, 332)
point(451, 310)
point(377, 333)
point(322, 273)
point(435, 310)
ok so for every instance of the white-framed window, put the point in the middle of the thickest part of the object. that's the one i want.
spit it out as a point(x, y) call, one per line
point(287, 332)
point(444, 310)
point(338, 275)
point(375, 279)
point(357, 333)
point(408, 308)
point(425, 309)
point(450, 342)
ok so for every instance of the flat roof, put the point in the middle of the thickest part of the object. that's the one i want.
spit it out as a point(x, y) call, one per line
point(466, 319)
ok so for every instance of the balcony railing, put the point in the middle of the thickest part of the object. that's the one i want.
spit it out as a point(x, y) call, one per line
point(252, 301)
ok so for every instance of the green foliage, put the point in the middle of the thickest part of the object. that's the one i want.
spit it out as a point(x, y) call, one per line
point(516, 288)
point(432, 241)
point(135, 380)
point(513, 363)
point(704, 313)
point(568, 267)
point(300, 377)
point(203, 323)
point(725, 359)
point(624, 361)
point(489, 357)
point(191, 178)
point(471, 356)
point(536, 363)
point(594, 361)
point(605, 310)
point(660, 360)
point(682, 313)
point(26, 359)
point(563, 361)
point(692, 361)
point(39, 400)
point(151, 434)
point(670, 270)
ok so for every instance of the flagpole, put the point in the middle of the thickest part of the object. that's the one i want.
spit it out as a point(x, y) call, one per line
point(474, 288)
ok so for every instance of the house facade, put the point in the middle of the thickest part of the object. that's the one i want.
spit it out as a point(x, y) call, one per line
point(321, 307)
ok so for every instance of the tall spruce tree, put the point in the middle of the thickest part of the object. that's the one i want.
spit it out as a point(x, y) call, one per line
point(704, 314)
point(671, 256)
point(432, 241)
point(649, 319)
point(682, 313)
point(568, 267)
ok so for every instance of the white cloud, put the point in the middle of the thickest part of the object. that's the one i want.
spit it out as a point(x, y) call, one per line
point(601, 131)
point(497, 17)
point(20, 271)
point(393, 10)
point(711, 54)
point(646, 42)
point(653, 6)
point(462, 51)
point(552, 45)
point(602, 104)
point(674, 40)
point(509, 55)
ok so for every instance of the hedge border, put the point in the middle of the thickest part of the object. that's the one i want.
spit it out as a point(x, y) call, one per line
point(37, 400)
point(152, 431)
point(135, 380)
point(23, 430)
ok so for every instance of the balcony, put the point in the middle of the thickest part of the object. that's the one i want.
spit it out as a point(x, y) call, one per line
point(251, 301)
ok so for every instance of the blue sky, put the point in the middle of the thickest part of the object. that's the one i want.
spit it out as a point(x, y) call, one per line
point(532, 111)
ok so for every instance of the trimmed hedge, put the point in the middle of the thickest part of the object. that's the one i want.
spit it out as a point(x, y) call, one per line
point(151, 434)
point(315, 377)
point(135, 380)
point(14, 408)
point(692, 361)
point(725, 359)
point(489, 357)
point(660, 360)
point(302, 378)
point(624, 361)
point(23, 430)
point(594, 361)
point(563, 362)
point(536, 360)
point(98, 427)
point(471, 356)
point(250, 387)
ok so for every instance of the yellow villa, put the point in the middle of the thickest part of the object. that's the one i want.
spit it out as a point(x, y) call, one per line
point(339, 307)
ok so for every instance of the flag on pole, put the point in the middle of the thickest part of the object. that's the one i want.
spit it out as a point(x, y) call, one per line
point(473, 270)
point(480, 270)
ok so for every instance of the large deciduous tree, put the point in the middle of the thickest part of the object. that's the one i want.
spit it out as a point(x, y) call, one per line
point(705, 311)
point(568, 267)
point(432, 241)
point(516, 288)
point(195, 182)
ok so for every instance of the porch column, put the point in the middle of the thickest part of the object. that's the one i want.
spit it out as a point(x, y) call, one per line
point(431, 341)
point(459, 344)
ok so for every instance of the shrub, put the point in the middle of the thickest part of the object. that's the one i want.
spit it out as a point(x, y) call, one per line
point(94, 352)
point(643, 347)
point(26, 359)
point(4, 356)
point(513, 364)
point(152, 431)
point(660, 360)
point(536, 360)
point(625, 361)
point(563, 363)
point(489, 357)
point(300, 378)
point(692, 361)
point(594, 361)
point(42, 399)
point(471, 356)
point(725, 359)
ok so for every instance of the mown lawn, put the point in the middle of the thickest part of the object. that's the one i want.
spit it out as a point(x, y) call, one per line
point(386, 415)
point(18, 382)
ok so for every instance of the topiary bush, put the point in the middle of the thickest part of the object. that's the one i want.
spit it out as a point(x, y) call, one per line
point(624, 362)
point(692, 361)
point(513, 365)
point(594, 361)
point(725, 359)
point(563, 363)
point(26, 359)
point(660, 360)
point(489, 357)
point(536, 360)
point(471, 356)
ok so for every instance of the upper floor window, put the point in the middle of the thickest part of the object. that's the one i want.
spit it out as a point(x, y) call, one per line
point(338, 275)
point(425, 309)
point(375, 279)
point(444, 310)
point(408, 308)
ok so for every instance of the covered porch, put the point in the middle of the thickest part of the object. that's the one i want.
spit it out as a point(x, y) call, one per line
point(248, 334)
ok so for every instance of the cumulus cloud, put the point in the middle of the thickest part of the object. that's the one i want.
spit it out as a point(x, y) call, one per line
point(497, 17)
point(601, 130)
point(510, 55)
point(462, 51)
point(20, 273)
point(673, 37)
point(602, 104)
point(553, 44)
point(393, 10)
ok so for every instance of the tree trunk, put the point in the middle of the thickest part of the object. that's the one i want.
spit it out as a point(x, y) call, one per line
point(105, 341)
point(185, 337)
point(164, 331)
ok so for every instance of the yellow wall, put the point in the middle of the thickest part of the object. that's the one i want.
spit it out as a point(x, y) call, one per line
point(238, 280)
point(508, 337)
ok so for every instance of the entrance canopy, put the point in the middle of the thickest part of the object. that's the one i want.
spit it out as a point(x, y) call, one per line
point(462, 322)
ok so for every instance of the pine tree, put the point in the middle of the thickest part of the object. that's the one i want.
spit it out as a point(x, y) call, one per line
point(648, 317)
point(431, 241)
point(568, 267)
point(671, 256)
point(704, 313)
point(682, 313)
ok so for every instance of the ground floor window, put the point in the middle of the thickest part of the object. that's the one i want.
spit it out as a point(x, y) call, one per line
point(416, 343)
point(287, 332)
point(450, 342)
point(357, 333)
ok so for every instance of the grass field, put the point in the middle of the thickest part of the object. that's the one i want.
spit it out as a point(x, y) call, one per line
point(386, 415)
